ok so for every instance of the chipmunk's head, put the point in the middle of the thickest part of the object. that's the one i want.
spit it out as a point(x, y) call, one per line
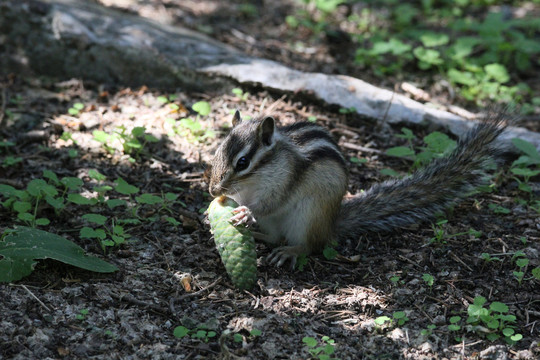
point(247, 147)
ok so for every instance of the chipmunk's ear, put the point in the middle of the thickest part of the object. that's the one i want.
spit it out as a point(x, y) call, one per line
point(237, 119)
point(266, 130)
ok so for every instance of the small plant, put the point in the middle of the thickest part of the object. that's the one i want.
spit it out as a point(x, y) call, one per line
point(429, 330)
point(526, 166)
point(301, 261)
point(323, 351)
point(82, 314)
point(521, 263)
point(400, 317)
point(193, 128)
point(428, 279)
point(133, 142)
point(107, 236)
point(488, 258)
point(200, 333)
point(498, 209)
point(329, 252)
point(495, 318)
point(76, 109)
point(240, 94)
point(439, 232)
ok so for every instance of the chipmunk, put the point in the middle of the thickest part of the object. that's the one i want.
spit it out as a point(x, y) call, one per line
point(291, 181)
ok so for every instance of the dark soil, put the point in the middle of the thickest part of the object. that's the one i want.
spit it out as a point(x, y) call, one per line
point(132, 313)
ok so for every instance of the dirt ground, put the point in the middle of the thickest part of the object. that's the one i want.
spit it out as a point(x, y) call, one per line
point(60, 311)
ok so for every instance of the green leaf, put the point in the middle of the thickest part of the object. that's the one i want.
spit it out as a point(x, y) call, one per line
point(48, 174)
point(381, 320)
point(43, 221)
point(21, 206)
point(95, 218)
point(112, 203)
point(527, 148)
point(330, 253)
point(78, 106)
point(400, 151)
point(162, 99)
point(101, 136)
point(455, 319)
point(479, 300)
point(180, 331)
point(138, 131)
point(96, 175)
point(124, 188)
point(72, 183)
point(149, 199)
point(427, 56)
point(89, 233)
point(38, 187)
point(309, 341)
point(23, 246)
point(508, 331)
point(255, 332)
point(516, 337)
point(462, 77)
point(80, 200)
point(454, 327)
point(399, 315)
point(238, 338)
point(56, 203)
point(434, 39)
point(202, 108)
point(497, 72)
point(522, 262)
point(536, 273)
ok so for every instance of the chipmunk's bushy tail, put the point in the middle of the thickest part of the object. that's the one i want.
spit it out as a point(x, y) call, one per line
point(421, 196)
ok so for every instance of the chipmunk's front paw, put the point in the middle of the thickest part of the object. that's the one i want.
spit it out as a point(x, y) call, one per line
point(243, 216)
point(281, 255)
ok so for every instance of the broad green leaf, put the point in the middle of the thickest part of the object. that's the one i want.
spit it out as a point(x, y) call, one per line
point(43, 221)
point(78, 106)
point(101, 136)
point(95, 218)
point(462, 77)
point(149, 199)
point(180, 331)
point(381, 320)
point(400, 151)
point(516, 337)
point(21, 206)
point(124, 188)
point(96, 175)
point(202, 108)
point(23, 246)
point(434, 39)
point(112, 203)
point(38, 187)
point(80, 200)
point(56, 203)
point(48, 174)
point(528, 148)
point(72, 183)
point(508, 331)
point(138, 131)
point(89, 233)
point(309, 341)
point(497, 72)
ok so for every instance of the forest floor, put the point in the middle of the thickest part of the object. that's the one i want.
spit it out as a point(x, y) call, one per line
point(421, 279)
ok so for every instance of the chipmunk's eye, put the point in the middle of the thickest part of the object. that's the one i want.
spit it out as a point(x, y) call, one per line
point(242, 163)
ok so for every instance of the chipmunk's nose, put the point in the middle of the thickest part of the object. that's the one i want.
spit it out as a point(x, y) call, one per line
point(215, 189)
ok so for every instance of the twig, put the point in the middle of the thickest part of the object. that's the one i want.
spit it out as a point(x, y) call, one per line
point(35, 297)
